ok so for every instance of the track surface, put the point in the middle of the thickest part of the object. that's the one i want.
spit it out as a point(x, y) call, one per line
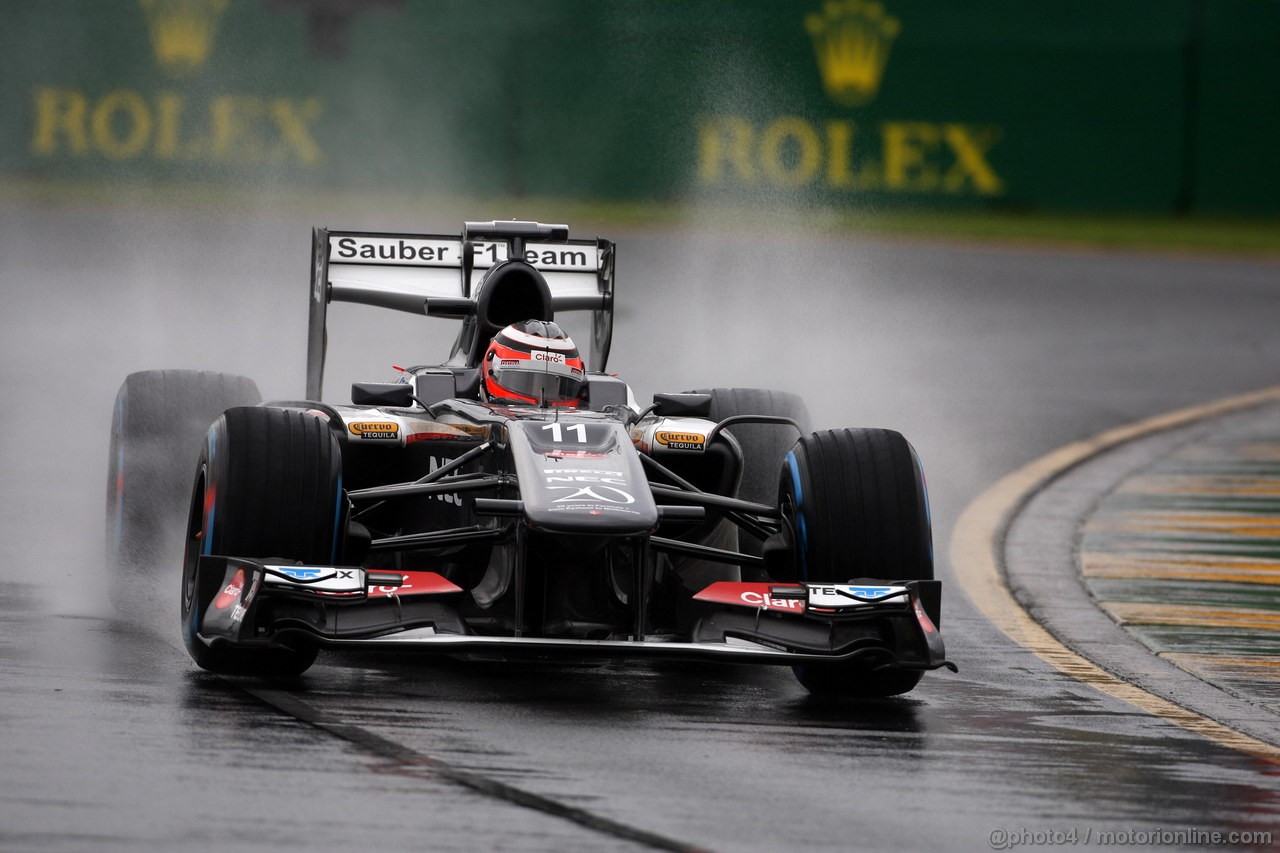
point(985, 358)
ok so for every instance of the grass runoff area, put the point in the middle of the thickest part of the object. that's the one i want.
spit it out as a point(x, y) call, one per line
point(1242, 236)
point(1177, 233)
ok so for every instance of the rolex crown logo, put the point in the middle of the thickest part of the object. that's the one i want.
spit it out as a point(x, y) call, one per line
point(182, 32)
point(851, 39)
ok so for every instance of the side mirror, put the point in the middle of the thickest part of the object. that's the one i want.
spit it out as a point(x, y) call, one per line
point(395, 394)
point(435, 386)
point(682, 405)
point(604, 390)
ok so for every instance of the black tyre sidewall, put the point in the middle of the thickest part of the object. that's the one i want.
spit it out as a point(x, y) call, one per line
point(859, 507)
point(269, 486)
point(278, 486)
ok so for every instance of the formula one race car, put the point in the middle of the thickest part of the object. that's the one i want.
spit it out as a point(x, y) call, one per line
point(516, 502)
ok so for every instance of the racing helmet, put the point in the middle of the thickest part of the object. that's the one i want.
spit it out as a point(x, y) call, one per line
point(533, 362)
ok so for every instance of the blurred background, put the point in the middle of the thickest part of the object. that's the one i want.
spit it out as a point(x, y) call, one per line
point(1152, 106)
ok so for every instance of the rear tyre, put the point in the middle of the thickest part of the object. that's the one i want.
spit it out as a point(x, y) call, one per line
point(159, 421)
point(854, 505)
point(268, 486)
point(764, 446)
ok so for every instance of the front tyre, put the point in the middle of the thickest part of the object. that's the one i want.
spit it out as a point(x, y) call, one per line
point(854, 505)
point(268, 486)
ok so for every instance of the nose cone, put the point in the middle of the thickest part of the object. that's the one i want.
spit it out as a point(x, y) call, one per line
point(581, 477)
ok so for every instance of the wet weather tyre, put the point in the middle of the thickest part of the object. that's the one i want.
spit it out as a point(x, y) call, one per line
point(764, 446)
point(858, 506)
point(157, 427)
point(855, 505)
point(268, 486)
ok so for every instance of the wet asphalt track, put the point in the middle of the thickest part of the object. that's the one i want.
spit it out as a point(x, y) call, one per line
point(985, 357)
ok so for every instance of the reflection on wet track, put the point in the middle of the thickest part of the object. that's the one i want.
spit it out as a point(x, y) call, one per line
point(985, 358)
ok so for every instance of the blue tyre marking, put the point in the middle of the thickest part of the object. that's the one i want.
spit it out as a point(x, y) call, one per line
point(802, 545)
point(206, 544)
point(337, 520)
point(206, 547)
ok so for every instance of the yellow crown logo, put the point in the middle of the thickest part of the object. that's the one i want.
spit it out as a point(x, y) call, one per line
point(851, 39)
point(182, 31)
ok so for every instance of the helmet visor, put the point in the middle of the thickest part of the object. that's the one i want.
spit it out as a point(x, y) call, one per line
point(551, 387)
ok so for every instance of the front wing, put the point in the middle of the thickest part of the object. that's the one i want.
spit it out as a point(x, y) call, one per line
point(249, 603)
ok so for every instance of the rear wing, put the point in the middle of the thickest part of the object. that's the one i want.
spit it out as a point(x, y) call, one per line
point(441, 275)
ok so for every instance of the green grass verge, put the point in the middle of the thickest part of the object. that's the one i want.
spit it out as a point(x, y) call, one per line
point(1256, 237)
point(1184, 233)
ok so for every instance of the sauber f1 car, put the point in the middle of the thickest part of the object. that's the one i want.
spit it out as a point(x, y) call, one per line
point(433, 516)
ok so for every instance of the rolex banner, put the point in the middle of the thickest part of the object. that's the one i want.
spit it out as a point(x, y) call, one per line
point(1148, 105)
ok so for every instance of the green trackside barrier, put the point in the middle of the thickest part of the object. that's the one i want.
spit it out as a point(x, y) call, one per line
point(1237, 55)
point(1147, 106)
